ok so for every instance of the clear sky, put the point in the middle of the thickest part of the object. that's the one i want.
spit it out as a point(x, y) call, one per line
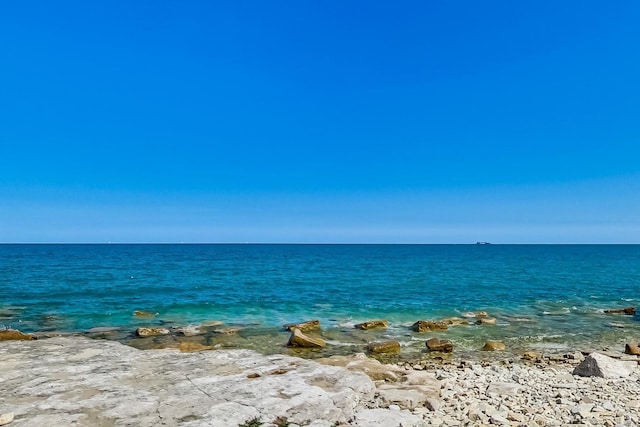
point(320, 121)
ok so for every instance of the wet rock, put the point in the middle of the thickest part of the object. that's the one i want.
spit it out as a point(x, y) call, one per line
point(310, 325)
point(298, 339)
point(476, 314)
point(187, 331)
point(455, 321)
point(6, 418)
point(429, 325)
point(632, 348)
point(227, 331)
point(384, 347)
point(599, 365)
point(629, 311)
point(494, 346)
point(372, 324)
point(152, 332)
point(486, 321)
point(435, 344)
point(14, 334)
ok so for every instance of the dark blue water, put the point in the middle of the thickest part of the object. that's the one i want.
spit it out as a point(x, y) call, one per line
point(538, 293)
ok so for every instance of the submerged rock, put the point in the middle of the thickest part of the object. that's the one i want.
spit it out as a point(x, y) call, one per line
point(187, 331)
point(189, 347)
point(309, 325)
point(152, 332)
point(629, 311)
point(384, 347)
point(599, 365)
point(430, 325)
point(435, 344)
point(298, 339)
point(144, 314)
point(14, 334)
point(455, 321)
point(494, 346)
point(486, 321)
point(372, 324)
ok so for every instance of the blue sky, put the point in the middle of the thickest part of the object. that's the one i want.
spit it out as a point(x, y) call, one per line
point(358, 121)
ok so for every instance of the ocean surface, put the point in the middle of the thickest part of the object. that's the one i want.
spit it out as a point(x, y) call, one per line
point(544, 297)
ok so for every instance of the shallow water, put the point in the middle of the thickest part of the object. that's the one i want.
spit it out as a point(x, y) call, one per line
point(548, 297)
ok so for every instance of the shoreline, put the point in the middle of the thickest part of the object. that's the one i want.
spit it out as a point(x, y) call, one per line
point(89, 382)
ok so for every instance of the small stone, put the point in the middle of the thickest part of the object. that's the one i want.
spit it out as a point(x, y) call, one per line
point(486, 321)
point(298, 339)
point(531, 355)
point(372, 324)
point(151, 332)
point(494, 346)
point(309, 325)
point(582, 409)
point(6, 418)
point(384, 347)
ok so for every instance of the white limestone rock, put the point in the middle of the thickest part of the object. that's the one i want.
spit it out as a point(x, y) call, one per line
point(599, 365)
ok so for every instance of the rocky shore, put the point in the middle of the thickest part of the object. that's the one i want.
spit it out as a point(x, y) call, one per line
point(85, 382)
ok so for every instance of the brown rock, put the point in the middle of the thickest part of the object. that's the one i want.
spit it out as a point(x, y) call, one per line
point(486, 321)
point(429, 325)
point(298, 339)
point(14, 334)
point(384, 347)
point(372, 324)
point(494, 346)
point(435, 344)
point(310, 325)
point(632, 348)
point(190, 347)
point(531, 355)
point(630, 311)
point(151, 332)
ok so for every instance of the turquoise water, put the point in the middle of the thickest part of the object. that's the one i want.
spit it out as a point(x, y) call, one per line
point(542, 295)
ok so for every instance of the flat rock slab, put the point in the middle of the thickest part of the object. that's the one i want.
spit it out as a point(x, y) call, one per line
point(83, 382)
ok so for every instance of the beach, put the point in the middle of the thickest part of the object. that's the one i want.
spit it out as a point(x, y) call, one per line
point(85, 382)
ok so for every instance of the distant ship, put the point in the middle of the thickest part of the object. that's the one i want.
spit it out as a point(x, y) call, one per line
point(483, 243)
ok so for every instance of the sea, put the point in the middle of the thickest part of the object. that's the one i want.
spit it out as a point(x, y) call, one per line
point(547, 298)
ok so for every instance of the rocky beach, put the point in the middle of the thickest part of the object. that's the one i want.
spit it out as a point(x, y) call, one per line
point(75, 380)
